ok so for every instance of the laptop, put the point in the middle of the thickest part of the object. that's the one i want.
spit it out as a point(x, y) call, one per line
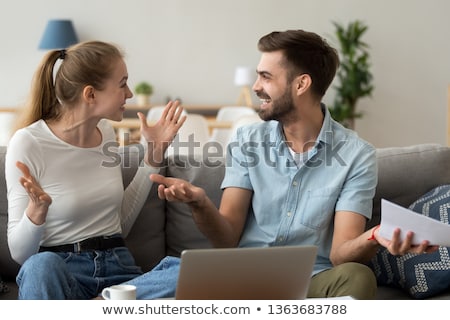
point(268, 273)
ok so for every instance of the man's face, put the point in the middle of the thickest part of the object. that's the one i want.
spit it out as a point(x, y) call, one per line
point(272, 88)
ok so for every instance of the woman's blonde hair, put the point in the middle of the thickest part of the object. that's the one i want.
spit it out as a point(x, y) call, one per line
point(86, 63)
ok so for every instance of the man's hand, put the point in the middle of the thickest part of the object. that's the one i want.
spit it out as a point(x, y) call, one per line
point(397, 247)
point(172, 189)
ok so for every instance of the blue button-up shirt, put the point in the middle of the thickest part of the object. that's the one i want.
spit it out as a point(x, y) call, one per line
point(295, 205)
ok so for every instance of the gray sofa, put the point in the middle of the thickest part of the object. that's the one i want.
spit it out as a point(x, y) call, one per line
point(405, 173)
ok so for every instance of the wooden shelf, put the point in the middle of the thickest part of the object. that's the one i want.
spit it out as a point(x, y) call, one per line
point(131, 124)
point(206, 110)
point(9, 109)
point(126, 126)
point(187, 107)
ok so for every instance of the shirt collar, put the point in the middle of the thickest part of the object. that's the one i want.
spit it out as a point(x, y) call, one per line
point(324, 134)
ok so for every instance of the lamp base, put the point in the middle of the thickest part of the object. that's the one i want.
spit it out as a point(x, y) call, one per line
point(245, 98)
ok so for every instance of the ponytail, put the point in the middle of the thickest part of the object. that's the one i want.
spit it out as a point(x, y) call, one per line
point(42, 103)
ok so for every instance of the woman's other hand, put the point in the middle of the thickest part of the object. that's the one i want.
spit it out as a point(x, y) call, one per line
point(161, 135)
point(39, 200)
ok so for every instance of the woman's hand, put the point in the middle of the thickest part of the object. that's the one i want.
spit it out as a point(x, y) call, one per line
point(39, 200)
point(160, 135)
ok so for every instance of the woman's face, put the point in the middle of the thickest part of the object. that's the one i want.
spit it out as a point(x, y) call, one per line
point(110, 101)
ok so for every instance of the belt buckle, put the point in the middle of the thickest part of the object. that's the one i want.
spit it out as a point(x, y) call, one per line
point(77, 247)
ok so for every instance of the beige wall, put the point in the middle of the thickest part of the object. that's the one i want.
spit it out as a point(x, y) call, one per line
point(189, 49)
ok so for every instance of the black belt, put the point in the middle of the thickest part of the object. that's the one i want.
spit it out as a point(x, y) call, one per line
point(91, 244)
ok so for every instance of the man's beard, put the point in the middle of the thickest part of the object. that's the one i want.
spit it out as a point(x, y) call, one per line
point(280, 110)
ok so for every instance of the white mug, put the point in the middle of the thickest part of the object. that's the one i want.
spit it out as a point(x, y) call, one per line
point(119, 292)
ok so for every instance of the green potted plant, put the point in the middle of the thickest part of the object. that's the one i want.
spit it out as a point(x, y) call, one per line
point(354, 75)
point(143, 92)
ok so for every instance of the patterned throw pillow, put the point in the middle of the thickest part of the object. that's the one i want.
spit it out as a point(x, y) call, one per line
point(421, 275)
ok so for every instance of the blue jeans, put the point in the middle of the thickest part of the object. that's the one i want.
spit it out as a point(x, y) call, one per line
point(56, 276)
point(160, 282)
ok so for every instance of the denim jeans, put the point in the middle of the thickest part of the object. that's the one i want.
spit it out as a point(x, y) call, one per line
point(56, 276)
point(160, 282)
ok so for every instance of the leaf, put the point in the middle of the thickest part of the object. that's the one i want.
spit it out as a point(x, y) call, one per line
point(354, 78)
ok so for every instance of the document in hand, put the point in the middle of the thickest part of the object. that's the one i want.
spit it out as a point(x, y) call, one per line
point(424, 228)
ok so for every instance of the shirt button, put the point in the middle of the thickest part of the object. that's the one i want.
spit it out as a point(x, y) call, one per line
point(295, 183)
point(289, 213)
point(280, 239)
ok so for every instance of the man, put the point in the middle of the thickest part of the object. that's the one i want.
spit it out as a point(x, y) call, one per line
point(299, 177)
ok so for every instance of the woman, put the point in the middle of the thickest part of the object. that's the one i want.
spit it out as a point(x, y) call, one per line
point(67, 208)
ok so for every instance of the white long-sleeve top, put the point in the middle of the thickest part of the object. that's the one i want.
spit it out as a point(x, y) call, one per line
point(85, 185)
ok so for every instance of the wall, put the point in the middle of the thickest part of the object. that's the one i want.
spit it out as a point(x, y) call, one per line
point(189, 49)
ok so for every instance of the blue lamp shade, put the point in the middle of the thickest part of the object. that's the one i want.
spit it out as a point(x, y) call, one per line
point(59, 34)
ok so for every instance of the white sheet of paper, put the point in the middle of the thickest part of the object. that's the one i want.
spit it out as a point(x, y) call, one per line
point(424, 228)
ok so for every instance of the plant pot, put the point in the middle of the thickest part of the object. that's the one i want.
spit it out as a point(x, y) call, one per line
point(143, 100)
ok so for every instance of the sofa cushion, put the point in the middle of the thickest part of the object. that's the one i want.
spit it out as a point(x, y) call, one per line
point(204, 172)
point(146, 239)
point(8, 266)
point(421, 275)
point(420, 168)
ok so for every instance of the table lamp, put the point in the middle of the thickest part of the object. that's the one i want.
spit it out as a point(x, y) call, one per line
point(244, 77)
point(58, 34)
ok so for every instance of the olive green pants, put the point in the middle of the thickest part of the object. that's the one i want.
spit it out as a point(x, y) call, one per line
point(348, 279)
